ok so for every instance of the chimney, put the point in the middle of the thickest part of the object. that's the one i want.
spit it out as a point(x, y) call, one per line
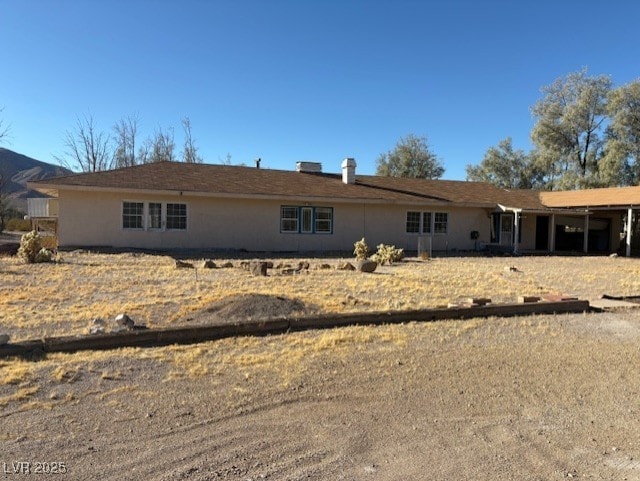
point(349, 171)
point(258, 160)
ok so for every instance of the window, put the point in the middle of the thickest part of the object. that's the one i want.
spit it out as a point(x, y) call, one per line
point(441, 222)
point(176, 216)
point(132, 215)
point(155, 215)
point(289, 219)
point(324, 220)
point(427, 222)
point(306, 220)
point(413, 222)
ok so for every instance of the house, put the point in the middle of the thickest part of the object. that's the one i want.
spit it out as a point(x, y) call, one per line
point(174, 205)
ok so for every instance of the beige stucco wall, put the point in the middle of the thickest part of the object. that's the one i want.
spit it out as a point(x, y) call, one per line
point(95, 219)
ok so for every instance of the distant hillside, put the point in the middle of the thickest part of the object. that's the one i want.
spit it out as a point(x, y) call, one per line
point(21, 169)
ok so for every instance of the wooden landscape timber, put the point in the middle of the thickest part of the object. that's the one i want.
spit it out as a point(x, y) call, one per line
point(201, 333)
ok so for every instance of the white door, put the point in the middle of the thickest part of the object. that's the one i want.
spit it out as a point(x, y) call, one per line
point(506, 230)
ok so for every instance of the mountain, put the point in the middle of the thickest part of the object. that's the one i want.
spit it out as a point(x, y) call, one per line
point(20, 169)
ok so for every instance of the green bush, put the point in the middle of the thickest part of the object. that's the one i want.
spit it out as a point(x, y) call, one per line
point(387, 254)
point(361, 249)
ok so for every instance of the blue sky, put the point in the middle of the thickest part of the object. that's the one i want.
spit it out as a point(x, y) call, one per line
point(302, 80)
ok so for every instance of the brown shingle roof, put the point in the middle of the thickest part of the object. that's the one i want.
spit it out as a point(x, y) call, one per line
point(246, 181)
point(609, 197)
point(228, 180)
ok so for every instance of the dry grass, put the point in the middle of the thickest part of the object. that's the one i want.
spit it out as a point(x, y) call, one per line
point(54, 299)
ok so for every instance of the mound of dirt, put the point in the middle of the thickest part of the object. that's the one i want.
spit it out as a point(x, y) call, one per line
point(253, 306)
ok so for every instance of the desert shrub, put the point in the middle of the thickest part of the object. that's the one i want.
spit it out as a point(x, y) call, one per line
point(387, 254)
point(32, 251)
point(361, 249)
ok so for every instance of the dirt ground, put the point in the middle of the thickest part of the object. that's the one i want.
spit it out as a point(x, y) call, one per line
point(536, 398)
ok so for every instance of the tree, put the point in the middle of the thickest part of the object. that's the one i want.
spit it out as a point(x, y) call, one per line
point(87, 149)
point(4, 198)
point(160, 148)
point(506, 168)
point(4, 179)
point(569, 128)
point(4, 129)
point(623, 133)
point(190, 151)
point(125, 131)
point(411, 157)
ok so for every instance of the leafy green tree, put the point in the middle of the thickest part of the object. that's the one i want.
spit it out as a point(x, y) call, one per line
point(569, 129)
point(506, 168)
point(623, 133)
point(411, 157)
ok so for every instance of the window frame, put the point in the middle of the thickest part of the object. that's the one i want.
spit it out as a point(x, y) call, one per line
point(130, 216)
point(150, 216)
point(182, 219)
point(439, 223)
point(312, 213)
point(317, 220)
point(424, 222)
point(284, 219)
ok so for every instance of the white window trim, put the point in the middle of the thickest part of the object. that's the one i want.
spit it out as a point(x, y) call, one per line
point(144, 209)
point(146, 217)
point(421, 230)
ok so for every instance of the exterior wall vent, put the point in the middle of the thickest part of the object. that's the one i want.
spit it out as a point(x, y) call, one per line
point(309, 167)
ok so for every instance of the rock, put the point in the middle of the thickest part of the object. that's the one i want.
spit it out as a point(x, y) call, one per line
point(346, 266)
point(288, 271)
point(226, 265)
point(614, 255)
point(269, 264)
point(124, 321)
point(4, 339)
point(246, 265)
point(208, 264)
point(303, 265)
point(323, 267)
point(511, 269)
point(366, 265)
point(258, 268)
point(96, 330)
point(183, 265)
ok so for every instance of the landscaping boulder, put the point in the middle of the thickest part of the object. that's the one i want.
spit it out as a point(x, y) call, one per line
point(346, 266)
point(183, 265)
point(4, 339)
point(366, 265)
point(123, 321)
point(97, 326)
point(208, 264)
point(226, 265)
point(258, 268)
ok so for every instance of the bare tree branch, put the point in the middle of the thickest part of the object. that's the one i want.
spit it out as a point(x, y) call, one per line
point(190, 152)
point(87, 149)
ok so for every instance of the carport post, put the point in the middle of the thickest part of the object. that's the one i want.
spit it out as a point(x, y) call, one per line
point(629, 226)
point(552, 237)
point(516, 224)
point(586, 234)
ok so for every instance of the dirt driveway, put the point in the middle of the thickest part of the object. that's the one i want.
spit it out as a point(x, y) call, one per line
point(536, 398)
